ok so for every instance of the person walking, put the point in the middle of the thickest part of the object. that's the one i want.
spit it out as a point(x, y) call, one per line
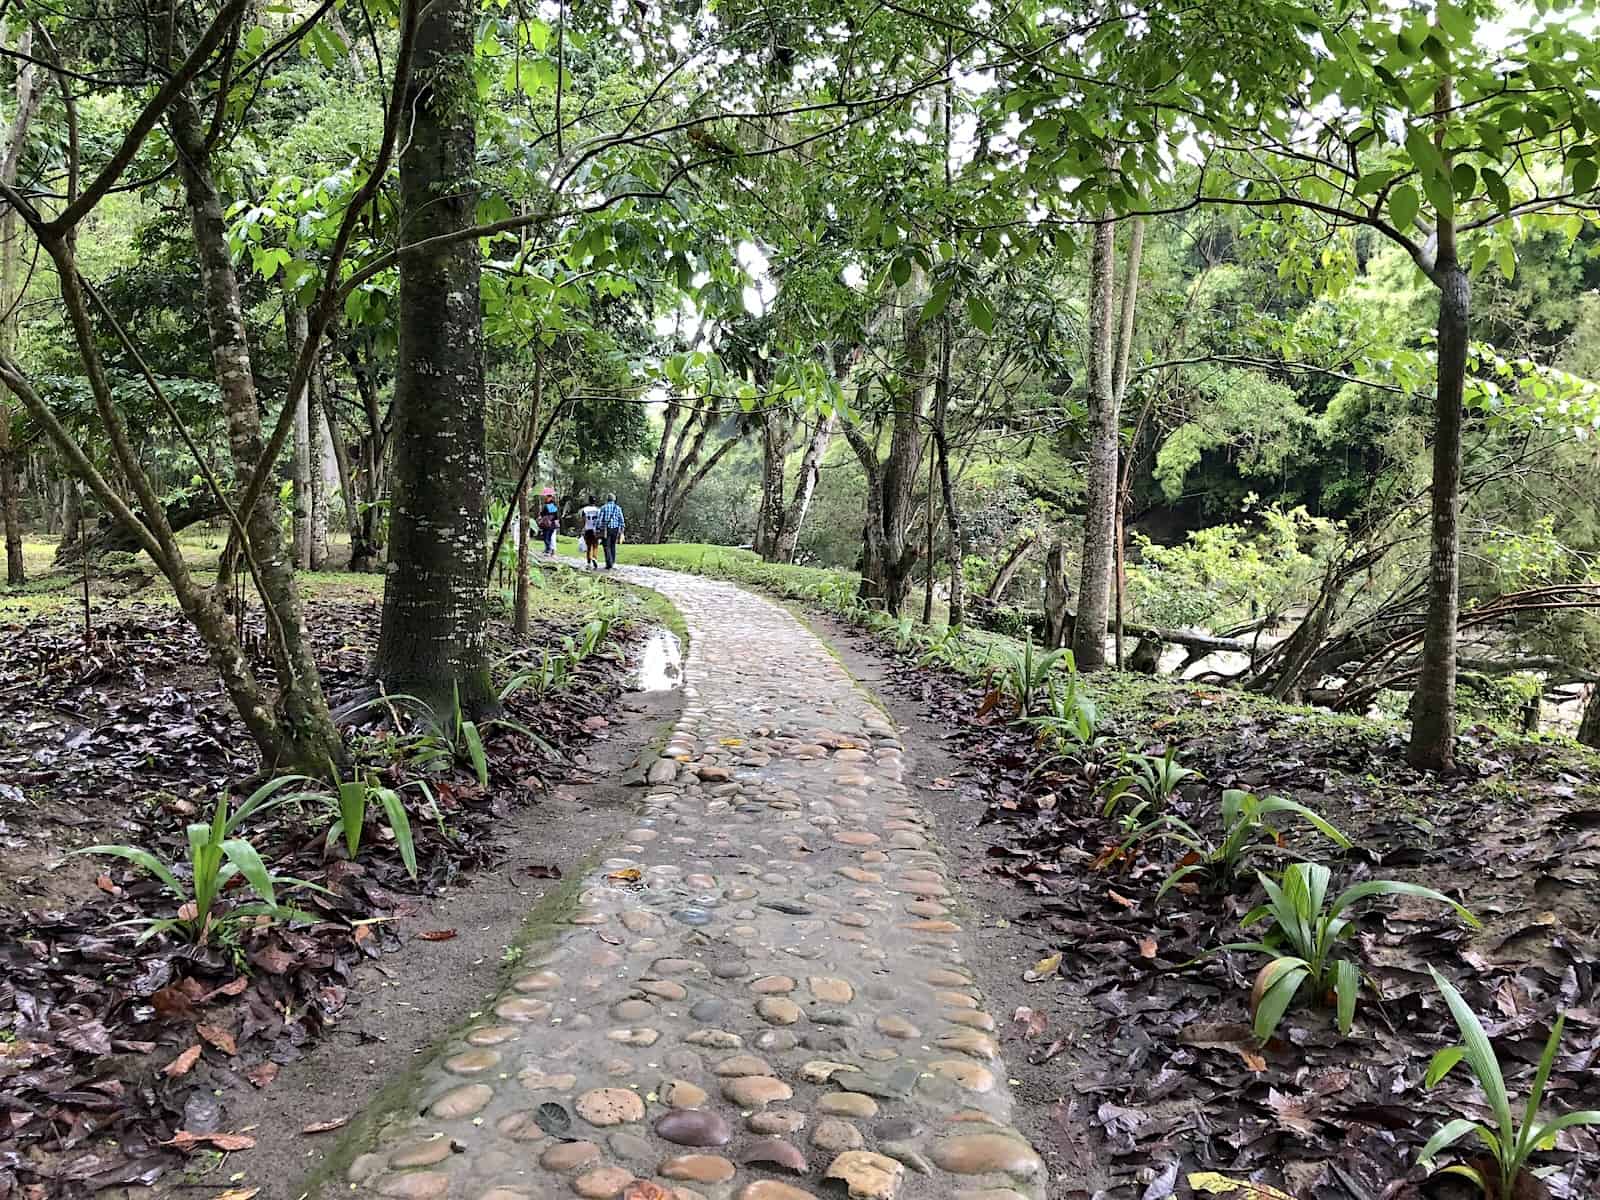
point(612, 525)
point(549, 520)
point(590, 513)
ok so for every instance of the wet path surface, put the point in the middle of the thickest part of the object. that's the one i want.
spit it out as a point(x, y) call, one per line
point(761, 996)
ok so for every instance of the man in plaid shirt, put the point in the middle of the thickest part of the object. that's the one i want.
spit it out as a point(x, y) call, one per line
point(612, 524)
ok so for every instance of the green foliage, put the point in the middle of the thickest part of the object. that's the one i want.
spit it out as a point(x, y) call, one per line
point(1025, 675)
point(1229, 574)
point(1510, 1144)
point(1246, 833)
point(216, 857)
point(1305, 933)
point(350, 803)
point(1147, 782)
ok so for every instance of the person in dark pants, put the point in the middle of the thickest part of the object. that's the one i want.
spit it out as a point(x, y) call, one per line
point(612, 526)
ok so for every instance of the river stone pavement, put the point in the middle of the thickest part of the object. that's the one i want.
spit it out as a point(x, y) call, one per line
point(762, 996)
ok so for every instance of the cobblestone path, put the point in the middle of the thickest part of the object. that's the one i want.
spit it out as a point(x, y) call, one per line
point(762, 995)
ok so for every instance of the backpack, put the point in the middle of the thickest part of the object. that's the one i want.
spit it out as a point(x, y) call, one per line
point(547, 517)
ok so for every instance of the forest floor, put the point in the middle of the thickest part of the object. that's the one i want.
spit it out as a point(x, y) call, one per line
point(263, 1033)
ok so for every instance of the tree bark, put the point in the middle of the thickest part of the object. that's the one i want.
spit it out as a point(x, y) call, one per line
point(1119, 389)
point(1099, 523)
point(952, 514)
point(805, 487)
point(321, 469)
point(1057, 598)
point(431, 643)
point(10, 491)
point(306, 739)
point(1589, 727)
point(1433, 725)
point(777, 432)
point(297, 329)
point(111, 536)
point(1008, 569)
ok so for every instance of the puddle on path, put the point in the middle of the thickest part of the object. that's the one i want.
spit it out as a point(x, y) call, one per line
point(661, 666)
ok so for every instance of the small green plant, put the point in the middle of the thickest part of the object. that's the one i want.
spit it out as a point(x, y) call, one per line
point(1510, 1145)
point(1025, 676)
point(1246, 832)
point(350, 803)
point(945, 649)
point(1148, 782)
point(216, 858)
point(1310, 929)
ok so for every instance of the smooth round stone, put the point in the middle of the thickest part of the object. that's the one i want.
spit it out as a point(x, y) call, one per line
point(956, 999)
point(772, 985)
point(634, 1037)
point(775, 1153)
point(630, 1148)
point(970, 1041)
point(680, 1093)
point(694, 1127)
point(835, 1017)
point(741, 1064)
point(968, 1074)
point(461, 1102)
point(776, 1040)
point(610, 1106)
point(771, 1189)
point(731, 968)
point(989, 1194)
point(421, 1154)
point(986, 1153)
point(715, 1039)
point(472, 1062)
point(692, 916)
point(708, 1011)
point(834, 1135)
point(971, 1019)
point(501, 1193)
point(756, 1091)
point(676, 966)
point(777, 1010)
point(537, 1080)
point(828, 990)
point(847, 1104)
point(602, 1183)
point(520, 1127)
point(899, 1129)
point(697, 1168)
point(569, 1156)
point(896, 1027)
point(539, 981)
point(633, 1010)
point(778, 1121)
point(664, 989)
point(415, 1185)
point(491, 1035)
point(520, 1008)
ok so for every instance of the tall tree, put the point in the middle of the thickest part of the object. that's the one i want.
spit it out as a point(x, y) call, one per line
point(1099, 522)
point(431, 643)
point(27, 100)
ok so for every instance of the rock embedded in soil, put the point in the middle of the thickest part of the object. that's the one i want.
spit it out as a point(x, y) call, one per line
point(610, 1106)
point(694, 1127)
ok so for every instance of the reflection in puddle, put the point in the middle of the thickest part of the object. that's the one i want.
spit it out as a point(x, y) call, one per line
point(661, 666)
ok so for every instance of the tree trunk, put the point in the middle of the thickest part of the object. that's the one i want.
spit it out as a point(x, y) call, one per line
point(776, 435)
point(1099, 522)
point(1433, 726)
point(805, 487)
point(321, 468)
point(520, 614)
point(1008, 569)
point(1119, 389)
point(431, 643)
point(1057, 596)
point(10, 491)
point(952, 515)
point(297, 329)
point(304, 737)
point(1589, 727)
point(360, 552)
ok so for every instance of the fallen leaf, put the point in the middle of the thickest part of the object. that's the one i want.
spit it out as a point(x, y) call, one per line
point(326, 1126)
point(183, 1064)
point(539, 871)
point(238, 1194)
point(173, 1003)
point(1121, 899)
point(1031, 1022)
point(218, 1037)
point(105, 885)
point(262, 1074)
point(1147, 947)
point(437, 935)
point(626, 875)
point(234, 987)
point(184, 1140)
point(1043, 969)
point(643, 1189)
point(942, 785)
point(1214, 1184)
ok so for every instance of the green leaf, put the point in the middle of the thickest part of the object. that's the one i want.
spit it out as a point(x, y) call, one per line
point(900, 271)
point(143, 859)
point(474, 744)
point(1404, 204)
point(1346, 988)
point(1448, 1135)
point(1495, 185)
point(1541, 1077)
point(1505, 256)
point(1479, 1053)
point(400, 822)
point(980, 314)
point(1279, 994)
point(936, 303)
point(1584, 174)
point(1443, 1063)
point(243, 856)
point(1393, 887)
